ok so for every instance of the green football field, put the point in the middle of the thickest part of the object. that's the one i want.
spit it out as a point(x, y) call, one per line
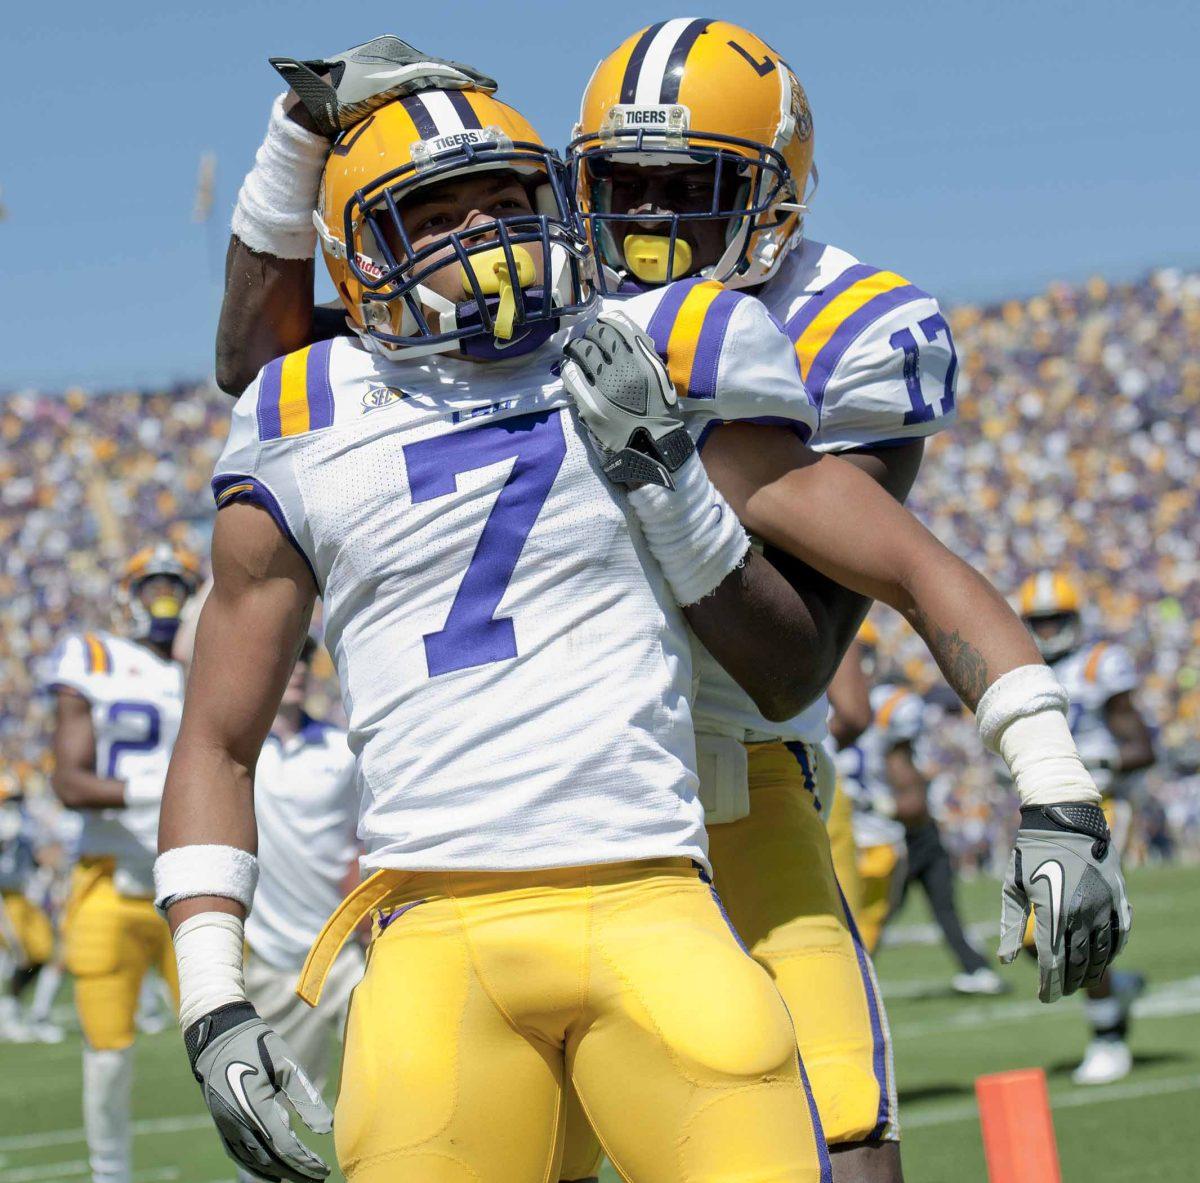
point(1137, 1130)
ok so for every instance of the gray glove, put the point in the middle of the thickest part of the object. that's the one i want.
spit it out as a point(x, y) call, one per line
point(339, 91)
point(243, 1068)
point(625, 398)
point(1064, 866)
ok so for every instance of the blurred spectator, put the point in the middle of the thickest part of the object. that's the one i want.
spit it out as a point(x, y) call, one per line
point(1077, 447)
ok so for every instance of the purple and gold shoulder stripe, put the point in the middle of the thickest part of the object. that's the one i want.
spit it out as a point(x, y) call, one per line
point(295, 396)
point(835, 317)
point(688, 329)
point(96, 654)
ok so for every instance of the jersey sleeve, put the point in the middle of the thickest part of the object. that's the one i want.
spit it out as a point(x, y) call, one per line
point(1115, 672)
point(74, 663)
point(878, 358)
point(256, 465)
point(727, 357)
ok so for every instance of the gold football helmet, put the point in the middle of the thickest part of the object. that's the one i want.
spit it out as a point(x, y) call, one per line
point(1050, 604)
point(508, 303)
point(695, 92)
point(156, 616)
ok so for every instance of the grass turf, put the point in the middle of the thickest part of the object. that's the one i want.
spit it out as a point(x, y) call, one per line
point(1134, 1130)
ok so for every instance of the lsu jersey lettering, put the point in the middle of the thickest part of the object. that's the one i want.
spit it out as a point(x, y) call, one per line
point(897, 716)
point(136, 699)
point(515, 673)
point(1091, 675)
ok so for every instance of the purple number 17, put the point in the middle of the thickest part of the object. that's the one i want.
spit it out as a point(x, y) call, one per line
point(931, 326)
point(473, 634)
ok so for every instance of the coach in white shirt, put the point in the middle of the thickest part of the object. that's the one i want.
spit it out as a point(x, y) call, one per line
point(306, 804)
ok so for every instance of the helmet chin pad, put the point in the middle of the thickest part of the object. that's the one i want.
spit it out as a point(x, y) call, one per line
point(648, 255)
point(521, 339)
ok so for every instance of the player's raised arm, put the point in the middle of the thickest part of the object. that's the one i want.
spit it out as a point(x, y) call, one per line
point(267, 309)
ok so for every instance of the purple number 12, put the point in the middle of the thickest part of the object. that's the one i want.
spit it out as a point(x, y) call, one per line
point(473, 635)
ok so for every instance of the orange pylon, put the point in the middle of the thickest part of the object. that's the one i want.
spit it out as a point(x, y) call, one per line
point(1018, 1128)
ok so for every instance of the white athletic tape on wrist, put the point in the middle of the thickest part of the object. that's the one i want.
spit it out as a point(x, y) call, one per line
point(190, 871)
point(695, 536)
point(208, 955)
point(276, 201)
point(1022, 716)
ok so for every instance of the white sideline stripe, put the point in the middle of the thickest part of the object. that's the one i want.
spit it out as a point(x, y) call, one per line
point(929, 934)
point(1181, 997)
point(53, 1170)
point(148, 1127)
point(1075, 1098)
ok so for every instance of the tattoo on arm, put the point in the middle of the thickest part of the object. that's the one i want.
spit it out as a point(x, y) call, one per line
point(963, 666)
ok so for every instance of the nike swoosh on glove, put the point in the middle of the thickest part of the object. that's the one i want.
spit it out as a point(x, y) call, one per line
point(627, 402)
point(244, 1070)
point(1064, 867)
point(341, 90)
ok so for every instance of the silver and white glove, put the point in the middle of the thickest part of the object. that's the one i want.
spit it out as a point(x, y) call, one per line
point(244, 1070)
point(627, 402)
point(341, 90)
point(1065, 867)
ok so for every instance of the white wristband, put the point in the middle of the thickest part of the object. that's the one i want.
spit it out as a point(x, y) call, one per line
point(1022, 716)
point(275, 204)
point(695, 536)
point(208, 956)
point(190, 871)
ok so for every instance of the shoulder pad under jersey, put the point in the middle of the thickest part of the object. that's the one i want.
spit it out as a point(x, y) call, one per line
point(877, 356)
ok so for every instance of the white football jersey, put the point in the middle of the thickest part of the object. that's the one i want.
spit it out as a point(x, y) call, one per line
point(878, 359)
point(896, 718)
point(515, 673)
point(137, 700)
point(1091, 675)
point(306, 804)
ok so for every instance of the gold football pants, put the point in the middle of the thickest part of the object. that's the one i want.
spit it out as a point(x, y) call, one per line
point(29, 926)
point(774, 874)
point(111, 941)
point(485, 992)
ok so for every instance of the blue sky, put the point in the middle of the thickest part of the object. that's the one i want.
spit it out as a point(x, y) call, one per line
point(981, 150)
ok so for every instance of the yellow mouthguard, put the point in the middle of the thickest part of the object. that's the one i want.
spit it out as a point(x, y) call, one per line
point(647, 254)
point(491, 271)
point(164, 607)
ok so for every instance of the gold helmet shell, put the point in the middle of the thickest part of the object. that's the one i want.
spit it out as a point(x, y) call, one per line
point(693, 89)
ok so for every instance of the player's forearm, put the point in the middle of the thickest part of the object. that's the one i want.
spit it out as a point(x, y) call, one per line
point(764, 636)
point(80, 788)
point(267, 311)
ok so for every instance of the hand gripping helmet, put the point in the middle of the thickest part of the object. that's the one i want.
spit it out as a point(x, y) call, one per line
point(158, 621)
point(696, 91)
point(509, 306)
point(1050, 603)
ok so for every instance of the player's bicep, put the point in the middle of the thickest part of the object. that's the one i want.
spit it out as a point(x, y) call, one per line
point(249, 633)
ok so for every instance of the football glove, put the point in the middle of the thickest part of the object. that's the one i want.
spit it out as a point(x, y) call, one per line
point(1064, 866)
point(341, 90)
point(627, 402)
point(244, 1069)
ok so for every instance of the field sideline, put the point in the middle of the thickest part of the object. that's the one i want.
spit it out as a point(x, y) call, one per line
point(1133, 1130)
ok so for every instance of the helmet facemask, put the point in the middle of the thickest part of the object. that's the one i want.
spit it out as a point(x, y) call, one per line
point(1056, 634)
point(518, 274)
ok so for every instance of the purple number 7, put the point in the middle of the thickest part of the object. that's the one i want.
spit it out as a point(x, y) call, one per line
point(473, 635)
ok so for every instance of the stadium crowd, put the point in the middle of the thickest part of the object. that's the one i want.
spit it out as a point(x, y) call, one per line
point(1076, 448)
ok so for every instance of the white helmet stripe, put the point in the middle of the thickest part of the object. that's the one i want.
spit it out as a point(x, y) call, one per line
point(654, 64)
point(441, 109)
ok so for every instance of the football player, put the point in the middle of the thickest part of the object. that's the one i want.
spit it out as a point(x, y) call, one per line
point(118, 701)
point(26, 933)
point(1114, 741)
point(462, 251)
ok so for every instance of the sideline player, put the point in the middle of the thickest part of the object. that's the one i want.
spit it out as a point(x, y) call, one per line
point(26, 932)
point(1114, 742)
point(117, 708)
